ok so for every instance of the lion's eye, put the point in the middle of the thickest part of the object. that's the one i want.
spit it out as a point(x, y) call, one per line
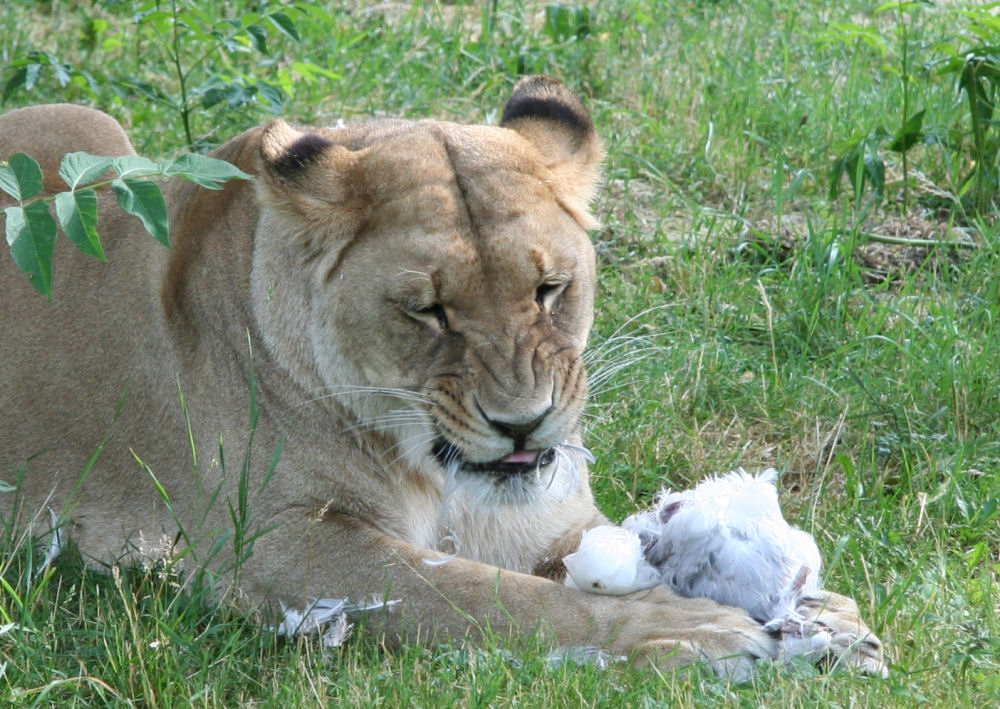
point(432, 315)
point(547, 293)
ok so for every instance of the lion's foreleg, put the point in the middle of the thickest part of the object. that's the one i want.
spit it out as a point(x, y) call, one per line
point(339, 556)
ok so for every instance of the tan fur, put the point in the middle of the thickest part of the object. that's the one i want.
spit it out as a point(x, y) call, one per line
point(326, 269)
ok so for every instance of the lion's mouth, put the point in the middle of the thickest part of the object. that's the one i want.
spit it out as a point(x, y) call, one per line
point(520, 462)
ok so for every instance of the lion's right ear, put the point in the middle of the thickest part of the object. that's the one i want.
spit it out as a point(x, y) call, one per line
point(556, 122)
point(305, 167)
point(310, 179)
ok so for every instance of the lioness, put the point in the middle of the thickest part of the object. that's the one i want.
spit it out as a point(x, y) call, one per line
point(410, 300)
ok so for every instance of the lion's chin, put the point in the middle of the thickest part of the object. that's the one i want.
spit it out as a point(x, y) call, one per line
point(519, 463)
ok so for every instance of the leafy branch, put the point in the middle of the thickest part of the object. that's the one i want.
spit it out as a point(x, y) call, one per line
point(860, 159)
point(213, 65)
point(31, 231)
point(978, 73)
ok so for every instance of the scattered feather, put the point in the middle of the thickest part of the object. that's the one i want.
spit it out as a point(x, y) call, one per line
point(326, 616)
point(456, 544)
point(582, 655)
point(8, 627)
point(799, 637)
point(56, 542)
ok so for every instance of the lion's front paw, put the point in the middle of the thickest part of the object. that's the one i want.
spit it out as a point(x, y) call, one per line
point(726, 639)
point(852, 643)
point(799, 637)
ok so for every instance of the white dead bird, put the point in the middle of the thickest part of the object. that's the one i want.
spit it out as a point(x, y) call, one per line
point(609, 560)
point(727, 540)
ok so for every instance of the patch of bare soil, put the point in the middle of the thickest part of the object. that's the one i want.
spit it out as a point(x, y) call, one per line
point(632, 213)
point(883, 260)
point(889, 248)
point(628, 212)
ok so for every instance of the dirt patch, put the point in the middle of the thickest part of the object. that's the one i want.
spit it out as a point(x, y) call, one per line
point(630, 212)
point(886, 249)
point(882, 260)
point(637, 214)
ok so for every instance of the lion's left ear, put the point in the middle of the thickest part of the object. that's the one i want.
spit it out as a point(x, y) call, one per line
point(557, 123)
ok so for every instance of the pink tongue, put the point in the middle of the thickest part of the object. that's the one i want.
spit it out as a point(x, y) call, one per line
point(523, 457)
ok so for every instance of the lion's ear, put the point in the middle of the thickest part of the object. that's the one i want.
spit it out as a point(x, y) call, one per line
point(304, 166)
point(312, 183)
point(557, 123)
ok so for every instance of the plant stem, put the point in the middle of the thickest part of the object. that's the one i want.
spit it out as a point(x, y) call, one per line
point(903, 241)
point(181, 78)
point(981, 187)
point(905, 78)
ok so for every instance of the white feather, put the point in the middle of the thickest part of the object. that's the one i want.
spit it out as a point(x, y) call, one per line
point(327, 616)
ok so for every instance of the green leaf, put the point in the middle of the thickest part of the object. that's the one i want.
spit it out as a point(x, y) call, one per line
point(82, 168)
point(838, 170)
point(310, 70)
point(144, 199)
point(274, 96)
point(33, 73)
point(285, 24)
point(863, 166)
point(147, 89)
point(21, 177)
point(897, 6)
point(77, 212)
point(563, 22)
point(874, 166)
point(909, 134)
point(8, 181)
point(258, 36)
point(205, 171)
point(230, 44)
point(13, 223)
point(16, 81)
point(134, 166)
point(234, 93)
point(247, 19)
point(87, 81)
point(31, 234)
point(153, 16)
point(62, 72)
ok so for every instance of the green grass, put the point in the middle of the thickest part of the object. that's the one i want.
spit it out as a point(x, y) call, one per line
point(879, 401)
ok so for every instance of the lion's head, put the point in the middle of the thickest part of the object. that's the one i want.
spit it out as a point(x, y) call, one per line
point(450, 277)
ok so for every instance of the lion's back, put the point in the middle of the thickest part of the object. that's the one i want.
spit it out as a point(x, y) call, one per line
point(48, 132)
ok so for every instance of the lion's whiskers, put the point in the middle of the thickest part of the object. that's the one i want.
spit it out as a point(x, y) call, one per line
point(565, 455)
point(608, 367)
point(605, 360)
point(392, 392)
point(622, 350)
point(620, 334)
point(397, 418)
point(413, 444)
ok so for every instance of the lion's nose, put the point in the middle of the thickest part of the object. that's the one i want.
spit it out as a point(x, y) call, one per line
point(519, 432)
